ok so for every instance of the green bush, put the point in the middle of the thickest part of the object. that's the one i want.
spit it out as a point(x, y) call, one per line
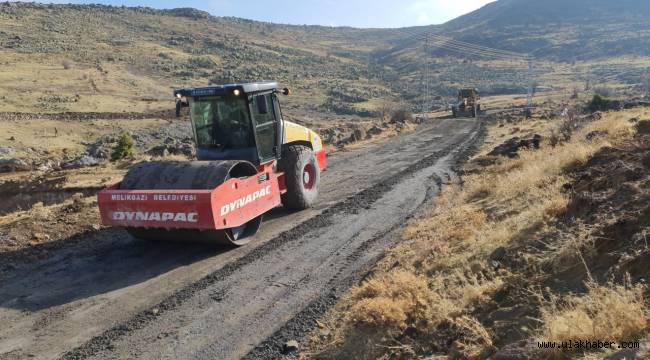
point(124, 148)
point(343, 108)
point(204, 62)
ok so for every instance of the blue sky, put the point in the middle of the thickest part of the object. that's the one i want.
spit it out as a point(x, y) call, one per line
point(358, 13)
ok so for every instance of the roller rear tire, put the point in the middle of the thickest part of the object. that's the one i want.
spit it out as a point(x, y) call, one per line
point(301, 176)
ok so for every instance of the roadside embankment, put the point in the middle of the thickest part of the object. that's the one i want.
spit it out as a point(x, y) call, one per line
point(549, 244)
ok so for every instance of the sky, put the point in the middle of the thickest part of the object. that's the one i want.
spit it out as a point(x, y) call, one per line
point(357, 13)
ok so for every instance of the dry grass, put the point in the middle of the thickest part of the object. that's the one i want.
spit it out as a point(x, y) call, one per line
point(57, 137)
point(441, 272)
point(32, 76)
point(398, 299)
point(606, 312)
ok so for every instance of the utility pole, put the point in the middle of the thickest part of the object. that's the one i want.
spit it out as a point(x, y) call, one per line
point(425, 77)
point(529, 102)
point(368, 68)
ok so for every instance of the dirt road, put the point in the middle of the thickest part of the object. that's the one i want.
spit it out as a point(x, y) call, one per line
point(122, 298)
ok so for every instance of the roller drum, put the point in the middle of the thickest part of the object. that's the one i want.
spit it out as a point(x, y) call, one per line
point(190, 175)
point(179, 175)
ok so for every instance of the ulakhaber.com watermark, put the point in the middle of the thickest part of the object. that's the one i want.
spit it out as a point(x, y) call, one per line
point(572, 345)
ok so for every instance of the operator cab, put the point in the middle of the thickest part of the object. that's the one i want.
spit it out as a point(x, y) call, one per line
point(235, 121)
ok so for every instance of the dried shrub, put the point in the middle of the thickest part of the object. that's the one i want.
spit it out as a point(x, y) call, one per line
point(568, 126)
point(385, 109)
point(204, 62)
point(603, 91)
point(401, 115)
point(397, 300)
point(67, 64)
point(616, 312)
point(575, 94)
point(474, 340)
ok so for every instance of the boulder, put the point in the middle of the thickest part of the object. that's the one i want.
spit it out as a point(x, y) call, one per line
point(290, 346)
point(48, 165)
point(13, 164)
point(331, 135)
point(6, 151)
point(81, 162)
point(102, 148)
point(358, 134)
point(173, 147)
point(522, 350)
point(595, 134)
point(511, 147)
point(187, 149)
point(159, 151)
point(643, 127)
point(375, 130)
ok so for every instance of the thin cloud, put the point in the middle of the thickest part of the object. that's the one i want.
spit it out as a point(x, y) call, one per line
point(426, 12)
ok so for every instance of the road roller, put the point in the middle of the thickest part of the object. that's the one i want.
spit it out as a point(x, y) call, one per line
point(249, 161)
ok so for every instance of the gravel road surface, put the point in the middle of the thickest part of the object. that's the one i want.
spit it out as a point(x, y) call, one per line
point(119, 298)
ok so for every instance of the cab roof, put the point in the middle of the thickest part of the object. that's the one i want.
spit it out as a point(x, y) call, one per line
point(227, 89)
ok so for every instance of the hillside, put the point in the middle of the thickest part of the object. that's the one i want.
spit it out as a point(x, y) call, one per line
point(571, 42)
point(506, 13)
point(555, 29)
point(564, 30)
point(99, 58)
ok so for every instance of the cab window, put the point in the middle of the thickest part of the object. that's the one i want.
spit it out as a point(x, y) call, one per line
point(265, 125)
point(221, 122)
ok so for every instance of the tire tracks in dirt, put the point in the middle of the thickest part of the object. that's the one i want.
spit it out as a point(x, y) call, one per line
point(105, 342)
point(301, 325)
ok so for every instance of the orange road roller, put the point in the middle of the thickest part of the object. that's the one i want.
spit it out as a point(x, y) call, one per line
point(249, 161)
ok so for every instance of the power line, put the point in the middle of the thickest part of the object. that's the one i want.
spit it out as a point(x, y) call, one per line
point(465, 48)
point(470, 51)
point(480, 50)
point(479, 47)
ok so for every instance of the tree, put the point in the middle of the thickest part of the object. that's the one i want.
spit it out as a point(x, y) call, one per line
point(124, 148)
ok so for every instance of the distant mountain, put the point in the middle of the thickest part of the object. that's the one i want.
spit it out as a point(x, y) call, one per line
point(508, 13)
point(560, 29)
